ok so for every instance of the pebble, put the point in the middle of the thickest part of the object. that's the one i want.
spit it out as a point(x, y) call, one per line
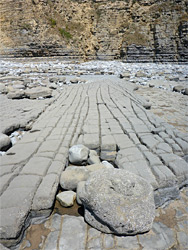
point(66, 198)
point(16, 136)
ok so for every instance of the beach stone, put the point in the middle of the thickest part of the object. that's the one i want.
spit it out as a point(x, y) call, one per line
point(95, 167)
point(80, 186)
point(125, 75)
point(52, 85)
point(74, 80)
point(16, 94)
point(3, 89)
point(78, 154)
point(140, 74)
point(151, 85)
point(178, 88)
point(54, 79)
point(62, 79)
point(37, 92)
point(72, 176)
point(186, 91)
point(93, 157)
point(147, 105)
point(5, 142)
point(118, 202)
point(66, 198)
point(18, 86)
point(107, 164)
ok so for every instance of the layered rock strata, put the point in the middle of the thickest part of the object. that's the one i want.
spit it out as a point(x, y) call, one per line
point(131, 30)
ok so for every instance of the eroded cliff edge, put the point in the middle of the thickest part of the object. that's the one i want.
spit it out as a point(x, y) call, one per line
point(132, 30)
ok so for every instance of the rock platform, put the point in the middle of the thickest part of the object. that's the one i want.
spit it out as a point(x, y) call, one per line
point(107, 116)
point(169, 231)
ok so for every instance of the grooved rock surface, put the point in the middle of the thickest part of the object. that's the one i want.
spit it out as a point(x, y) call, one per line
point(131, 30)
point(118, 202)
point(103, 113)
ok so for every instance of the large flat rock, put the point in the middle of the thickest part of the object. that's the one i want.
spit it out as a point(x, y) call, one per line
point(127, 134)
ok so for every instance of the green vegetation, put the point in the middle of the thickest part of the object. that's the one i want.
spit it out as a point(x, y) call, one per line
point(64, 33)
point(52, 22)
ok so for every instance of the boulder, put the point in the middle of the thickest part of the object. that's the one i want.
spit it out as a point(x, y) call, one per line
point(18, 86)
point(178, 88)
point(147, 105)
point(54, 79)
point(125, 75)
point(72, 176)
point(80, 186)
point(151, 85)
point(118, 202)
point(52, 85)
point(17, 94)
point(74, 80)
point(62, 79)
point(37, 92)
point(5, 142)
point(66, 198)
point(78, 154)
point(140, 74)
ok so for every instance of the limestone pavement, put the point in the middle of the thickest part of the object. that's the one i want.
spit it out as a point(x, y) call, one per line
point(66, 232)
point(104, 115)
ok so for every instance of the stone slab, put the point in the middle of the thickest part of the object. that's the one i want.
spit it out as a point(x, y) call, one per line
point(161, 238)
point(54, 130)
point(91, 141)
point(37, 165)
point(45, 195)
point(19, 153)
point(108, 143)
point(78, 226)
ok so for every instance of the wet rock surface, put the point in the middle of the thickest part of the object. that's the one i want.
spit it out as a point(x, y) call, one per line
point(169, 230)
point(106, 114)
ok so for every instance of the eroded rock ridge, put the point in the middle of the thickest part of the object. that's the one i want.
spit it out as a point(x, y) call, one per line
point(132, 30)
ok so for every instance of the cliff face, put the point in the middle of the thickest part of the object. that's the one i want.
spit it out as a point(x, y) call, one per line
point(132, 30)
